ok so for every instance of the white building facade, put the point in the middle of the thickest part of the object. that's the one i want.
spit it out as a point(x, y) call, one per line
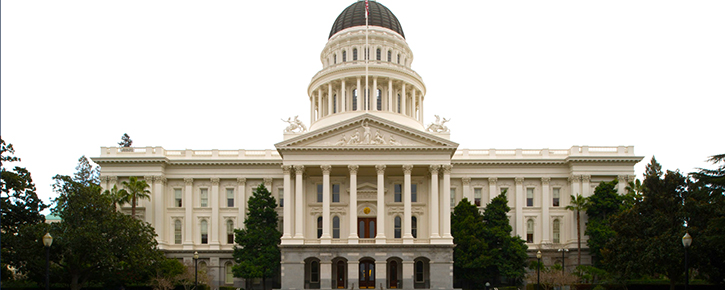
point(365, 195)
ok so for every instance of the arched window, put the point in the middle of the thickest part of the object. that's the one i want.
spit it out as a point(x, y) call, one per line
point(354, 100)
point(336, 227)
point(379, 101)
point(229, 277)
point(414, 226)
point(319, 227)
point(314, 272)
point(419, 271)
point(202, 266)
point(390, 55)
point(204, 226)
point(557, 231)
point(344, 56)
point(177, 232)
point(397, 227)
point(377, 54)
point(354, 54)
point(334, 58)
point(230, 232)
point(530, 231)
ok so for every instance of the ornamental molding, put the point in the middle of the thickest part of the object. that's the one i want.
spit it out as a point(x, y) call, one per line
point(399, 210)
point(214, 181)
point(466, 181)
point(519, 180)
point(339, 210)
point(545, 180)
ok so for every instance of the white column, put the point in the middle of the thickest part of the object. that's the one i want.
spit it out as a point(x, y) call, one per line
point(146, 204)
point(421, 108)
point(287, 209)
point(545, 204)
point(299, 219)
point(214, 224)
point(413, 100)
point(492, 188)
point(326, 238)
point(159, 202)
point(380, 237)
point(390, 95)
point(622, 184)
point(434, 229)
point(343, 96)
point(402, 101)
point(407, 205)
point(329, 99)
point(447, 203)
point(188, 206)
point(575, 181)
point(242, 201)
point(352, 237)
point(360, 96)
point(586, 187)
point(519, 197)
point(312, 108)
point(319, 103)
point(374, 94)
point(467, 189)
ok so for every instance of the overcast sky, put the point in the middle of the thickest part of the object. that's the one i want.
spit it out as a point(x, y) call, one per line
point(76, 75)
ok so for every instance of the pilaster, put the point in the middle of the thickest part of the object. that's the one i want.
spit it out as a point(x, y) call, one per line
point(352, 237)
point(407, 205)
point(380, 237)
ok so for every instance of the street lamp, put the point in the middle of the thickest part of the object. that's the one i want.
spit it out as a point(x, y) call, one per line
point(47, 241)
point(686, 242)
point(563, 266)
point(196, 271)
point(488, 285)
point(538, 270)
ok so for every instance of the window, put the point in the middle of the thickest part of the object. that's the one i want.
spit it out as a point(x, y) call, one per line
point(398, 103)
point(354, 100)
point(319, 193)
point(398, 58)
point(555, 197)
point(230, 232)
point(280, 195)
point(377, 54)
point(397, 227)
point(398, 193)
point(354, 54)
point(557, 231)
point(314, 272)
point(379, 101)
point(319, 227)
point(344, 56)
point(177, 232)
point(177, 197)
point(204, 197)
point(530, 231)
point(453, 197)
point(504, 190)
point(414, 226)
point(229, 277)
point(367, 53)
point(334, 103)
point(334, 58)
point(419, 271)
point(477, 196)
point(336, 227)
point(335, 193)
point(390, 54)
point(413, 193)
point(529, 197)
point(204, 232)
point(230, 197)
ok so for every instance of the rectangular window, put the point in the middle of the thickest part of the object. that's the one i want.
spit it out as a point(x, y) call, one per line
point(319, 193)
point(177, 197)
point(453, 197)
point(204, 197)
point(557, 231)
point(555, 197)
point(177, 232)
point(530, 231)
point(477, 196)
point(413, 193)
point(529, 197)
point(230, 197)
point(335, 193)
point(398, 193)
point(280, 194)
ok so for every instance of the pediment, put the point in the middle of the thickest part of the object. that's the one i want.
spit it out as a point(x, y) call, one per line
point(367, 187)
point(366, 132)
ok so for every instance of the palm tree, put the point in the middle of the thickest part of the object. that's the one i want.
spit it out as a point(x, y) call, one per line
point(117, 196)
point(578, 204)
point(135, 189)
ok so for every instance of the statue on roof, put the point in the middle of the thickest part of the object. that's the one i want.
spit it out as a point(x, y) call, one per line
point(295, 125)
point(438, 126)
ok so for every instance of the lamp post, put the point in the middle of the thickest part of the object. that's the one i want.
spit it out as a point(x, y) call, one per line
point(196, 271)
point(47, 241)
point(538, 270)
point(563, 266)
point(488, 285)
point(686, 242)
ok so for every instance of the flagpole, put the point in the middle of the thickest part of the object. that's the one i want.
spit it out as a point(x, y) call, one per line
point(366, 96)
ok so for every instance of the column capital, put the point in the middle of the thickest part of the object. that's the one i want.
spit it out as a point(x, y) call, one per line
point(380, 168)
point(299, 169)
point(466, 181)
point(286, 169)
point(149, 179)
point(241, 181)
point(434, 168)
point(447, 168)
point(268, 180)
point(545, 180)
point(104, 178)
point(586, 178)
point(519, 180)
point(326, 168)
point(113, 179)
point(215, 181)
point(160, 178)
point(493, 180)
point(353, 168)
point(407, 169)
point(574, 178)
point(631, 178)
point(188, 181)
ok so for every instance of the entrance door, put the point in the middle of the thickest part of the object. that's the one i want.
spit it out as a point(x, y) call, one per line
point(341, 275)
point(367, 274)
point(393, 275)
point(366, 228)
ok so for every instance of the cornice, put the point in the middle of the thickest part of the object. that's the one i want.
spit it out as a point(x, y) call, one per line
point(608, 159)
point(101, 160)
point(506, 162)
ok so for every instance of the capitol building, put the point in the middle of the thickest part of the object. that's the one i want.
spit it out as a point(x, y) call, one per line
point(365, 192)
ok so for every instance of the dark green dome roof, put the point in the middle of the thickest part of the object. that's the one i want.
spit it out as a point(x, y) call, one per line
point(354, 15)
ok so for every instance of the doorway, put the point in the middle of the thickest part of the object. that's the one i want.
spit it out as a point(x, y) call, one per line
point(366, 228)
point(367, 274)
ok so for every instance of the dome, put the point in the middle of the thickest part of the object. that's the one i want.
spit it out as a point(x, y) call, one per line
point(354, 15)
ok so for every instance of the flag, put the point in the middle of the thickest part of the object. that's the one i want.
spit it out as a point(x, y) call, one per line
point(367, 9)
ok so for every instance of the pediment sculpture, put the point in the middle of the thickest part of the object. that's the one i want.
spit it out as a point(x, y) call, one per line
point(295, 125)
point(438, 126)
point(366, 138)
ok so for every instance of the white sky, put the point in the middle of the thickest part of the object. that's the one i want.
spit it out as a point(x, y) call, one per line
point(76, 75)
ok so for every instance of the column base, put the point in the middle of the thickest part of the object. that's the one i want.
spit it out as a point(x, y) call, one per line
point(188, 246)
point(325, 240)
point(215, 246)
point(352, 240)
point(408, 241)
point(293, 242)
point(380, 240)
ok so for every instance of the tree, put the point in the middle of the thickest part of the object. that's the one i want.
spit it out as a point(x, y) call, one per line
point(86, 173)
point(471, 254)
point(578, 204)
point(116, 195)
point(508, 253)
point(20, 205)
point(601, 207)
point(135, 189)
point(258, 254)
point(125, 141)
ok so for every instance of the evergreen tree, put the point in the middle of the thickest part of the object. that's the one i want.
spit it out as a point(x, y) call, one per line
point(86, 173)
point(258, 254)
point(125, 141)
point(508, 253)
point(602, 206)
point(471, 255)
